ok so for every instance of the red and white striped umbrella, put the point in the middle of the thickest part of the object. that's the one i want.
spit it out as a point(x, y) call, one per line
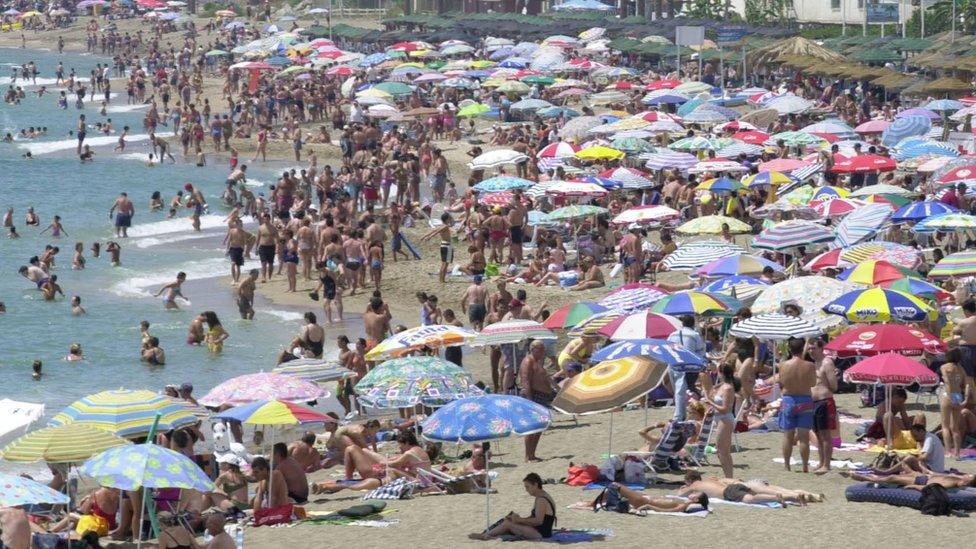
point(512, 331)
point(836, 207)
point(576, 188)
point(560, 149)
point(642, 325)
point(657, 116)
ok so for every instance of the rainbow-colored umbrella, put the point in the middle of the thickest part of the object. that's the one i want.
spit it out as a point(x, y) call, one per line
point(512, 331)
point(720, 185)
point(610, 384)
point(274, 412)
point(72, 443)
point(260, 387)
point(689, 302)
point(917, 286)
point(741, 264)
point(126, 413)
point(409, 381)
point(957, 264)
point(434, 336)
point(642, 325)
point(593, 324)
point(570, 315)
point(880, 305)
point(766, 179)
point(875, 271)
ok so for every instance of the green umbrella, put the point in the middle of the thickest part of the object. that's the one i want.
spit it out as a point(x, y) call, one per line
point(513, 86)
point(632, 145)
point(573, 212)
point(473, 110)
point(394, 88)
point(293, 70)
point(793, 139)
point(217, 53)
point(436, 64)
point(536, 79)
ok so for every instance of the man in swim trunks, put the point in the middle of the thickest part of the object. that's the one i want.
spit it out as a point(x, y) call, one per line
point(237, 239)
point(474, 302)
point(497, 232)
point(197, 202)
point(797, 377)
point(123, 210)
point(824, 408)
point(965, 332)
point(267, 239)
point(34, 273)
point(245, 295)
point(517, 218)
point(536, 386)
point(447, 250)
point(752, 492)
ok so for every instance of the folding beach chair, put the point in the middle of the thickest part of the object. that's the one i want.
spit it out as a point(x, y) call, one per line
point(439, 482)
point(663, 458)
point(697, 455)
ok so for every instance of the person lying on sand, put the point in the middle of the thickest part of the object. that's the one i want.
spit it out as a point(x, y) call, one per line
point(916, 482)
point(376, 469)
point(745, 492)
point(644, 502)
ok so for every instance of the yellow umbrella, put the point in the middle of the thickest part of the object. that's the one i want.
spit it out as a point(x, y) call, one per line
point(31, 13)
point(482, 64)
point(414, 64)
point(433, 336)
point(493, 82)
point(373, 92)
point(712, 224)
point(72, 443)
point(599, 152)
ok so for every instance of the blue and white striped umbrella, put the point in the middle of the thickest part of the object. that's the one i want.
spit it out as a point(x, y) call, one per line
point(630, 178)
point(906, 126)
point(693, 255)
point(515, 63)
point(668, 160)
point(832, 126)
point(736, 149)
point(667, 99)
point(501, 183)
point(940, 105)
point(925, 148)
point(802, 174)
point(862, 224)
point(792, 234)
point(639, 297)
point(738, 286)
point(917, 211)
point(677, 358)
point(604, 182)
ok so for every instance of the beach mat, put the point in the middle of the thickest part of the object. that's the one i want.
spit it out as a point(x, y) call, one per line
point(716, 501)
point(375, 520)
point(601, 484)
point(814, 463)
point(586, 506)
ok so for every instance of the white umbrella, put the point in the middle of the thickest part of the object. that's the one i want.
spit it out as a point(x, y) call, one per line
point(493, 159)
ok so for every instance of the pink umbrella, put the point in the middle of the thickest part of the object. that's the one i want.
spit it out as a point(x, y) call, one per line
point(642, 325)
point(503, 198)
point(873, 126)
point(657, 116)
point(262, 386)
point(828, 260)
point(430, 77)
point(836, 207)
point(571, 92)
point(342, 70)
point(782, 165)
point(890, 369)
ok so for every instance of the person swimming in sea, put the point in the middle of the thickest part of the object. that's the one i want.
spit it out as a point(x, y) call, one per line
point(173, 290)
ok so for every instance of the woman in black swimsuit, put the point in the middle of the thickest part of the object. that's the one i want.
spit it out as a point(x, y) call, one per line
point(538, 525)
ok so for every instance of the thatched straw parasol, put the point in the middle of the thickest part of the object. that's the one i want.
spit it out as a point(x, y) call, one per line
point(795, 46)
point(892, 80)
point(947, 85)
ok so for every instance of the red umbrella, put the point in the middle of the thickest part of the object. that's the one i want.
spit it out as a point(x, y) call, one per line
point(828, 137)
point(503, 198)
point(863, 163)
point(870, 340)
point(657, 116)
point(754, 137)
point(828, 260)
point(959, 175)
point(663, 85)
point(642, 325)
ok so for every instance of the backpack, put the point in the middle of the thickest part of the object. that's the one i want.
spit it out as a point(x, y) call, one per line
point(935, 500)
point(610, 500)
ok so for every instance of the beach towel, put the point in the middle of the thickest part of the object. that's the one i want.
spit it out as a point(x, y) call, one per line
point(601, 484)
point(835, 463)
point(701, 513)
point(400, 488)
point(578, 535)
point(374, 520)
point(769, 505)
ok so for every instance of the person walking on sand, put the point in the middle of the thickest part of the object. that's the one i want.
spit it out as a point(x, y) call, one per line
point(267, 246)
point(123, 209)
point(797, 377)
point(446, 248)
point(173, 290)
point(537, 387)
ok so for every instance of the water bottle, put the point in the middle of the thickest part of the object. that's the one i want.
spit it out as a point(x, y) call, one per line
point(239, 537)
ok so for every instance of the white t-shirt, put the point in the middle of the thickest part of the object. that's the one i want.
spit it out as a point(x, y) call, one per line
point(934, 452)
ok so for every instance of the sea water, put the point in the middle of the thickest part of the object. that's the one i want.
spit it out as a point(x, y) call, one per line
point(54, 182)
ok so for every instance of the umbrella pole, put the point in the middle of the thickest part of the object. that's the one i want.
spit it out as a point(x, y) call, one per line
point(888, 419)
point(487, 490)
point(142, 514)
point(146, 499)
point(610, 442)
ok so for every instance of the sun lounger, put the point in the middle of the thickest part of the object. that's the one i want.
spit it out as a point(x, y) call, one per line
point(673, 439)
point(440, 482)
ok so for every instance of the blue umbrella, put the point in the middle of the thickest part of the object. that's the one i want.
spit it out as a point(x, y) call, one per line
point(918, 211)
point(556, 112)
point(501, 53)
point(477, 74)
point(742, 286)
point(906, 126)
point(278, 61)
point(501, 183)
point(675, 356)
point(16, 490)
point(374, 59)
point(602, 181)
point(271, 29)
point(484, 418)
point(944, 105)
point(689, 106)
point(665, 100)
point(514, 63)
point(135, 466)
point(725, 111)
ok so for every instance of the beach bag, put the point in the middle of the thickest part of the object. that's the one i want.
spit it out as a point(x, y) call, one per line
point(611, 468)
point(885, 460)
point(491, 269)
point(935, 500)
point(273, 515)
point(578, 475)
point(614, 502)
point(634, 471)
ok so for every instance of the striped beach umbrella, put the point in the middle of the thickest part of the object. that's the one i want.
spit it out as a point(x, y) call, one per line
point(72, 443)
point(918, 287)
point(675, 356)
point(741, 264)
point(127, 413)
point(880, 305)
point(695, 143)
point(693, 255)
point(311, 369)
point(892, 252)
point(261, 386)
point(862, 224)
point(792, 234)
point(633, 296)
point(836, 207)
point(794, 139)
point(592, 325)
point(433, 336)
point(502, 183)
point(412, 380)
point(667, 160)
point(828, 260)
point(610, 384)
point(766, 179)
point(905, 126)
point(712, 224)
point(917, 211)
point(512, 331)
point(957, 264)
point(736, 149)
point(741, 287)
point(631, 178)
point(577, 188)
point(775, 327)
point(274, 412)
point(689, 302)
point(570, 315)
point(875, 271)
point(641, 325)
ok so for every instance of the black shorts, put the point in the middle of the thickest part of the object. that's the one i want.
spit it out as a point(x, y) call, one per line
point(267, 253)
point(236, 255)
point(736, 492)
point(477, 313)
point(447, 253)
point(824, 415)
point(516, 234)
point(328, 287)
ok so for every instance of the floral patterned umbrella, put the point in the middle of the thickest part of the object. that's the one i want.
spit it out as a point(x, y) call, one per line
point(146, 465)
point(408, 381)
point(261, 386)
point(810, 293)
point(17, 490)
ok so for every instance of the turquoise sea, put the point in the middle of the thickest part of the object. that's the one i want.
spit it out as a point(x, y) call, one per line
point(54, 182)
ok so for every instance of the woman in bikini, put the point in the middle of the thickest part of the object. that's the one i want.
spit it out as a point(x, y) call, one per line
point(952, 402)
point(538, 525)
point(376, 469)
point(231, 485)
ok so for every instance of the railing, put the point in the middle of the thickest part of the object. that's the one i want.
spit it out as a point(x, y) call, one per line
point(338, 11)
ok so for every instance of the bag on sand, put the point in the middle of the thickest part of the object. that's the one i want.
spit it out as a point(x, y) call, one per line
point(935, 500)
point(273, 515)
point(581, 475)
point(611, 468)
point(634, 471)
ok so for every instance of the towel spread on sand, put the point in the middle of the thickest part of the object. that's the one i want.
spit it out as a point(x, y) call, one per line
point(835, 463)
point(601, 484)
point(700, 513)
point(768, 505)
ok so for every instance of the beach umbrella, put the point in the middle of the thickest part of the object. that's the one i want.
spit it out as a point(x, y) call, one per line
point(579, 127)
point(664, 159)
point(646, 214)
point(570, 315)
point(766, 179)
point(633, 296)
point(873, 126)
point(630, 177)
point(577, 189)
point(789, 104)
point(558, 150)
point(432, 336)
point(689, 302)
point(693, 255)
point(695, 143)
point(741, 287)
point(775, 327)
point(136, 466)
point(590, 326)
point(809, 293)
point(126, 413)
point(959, 264)
point(574, 211)
point(512, 331)
point(672, 355)
point(702, 115)
point(639, 325)
point(720, 185)
point(486, 418)
point(794, 139)
point(472, 110)
point(863, 163)
point(415, 380)
point(712, 224)
point(312, 369)
point(740, 264)
point(836, 207)
point(513, 87)
point(870, 340)
point(530, 105)
point(881, 188)
point(862, 224)
point(918, 211)
point(259, 387)
point(496, 158)
point(961, 174)
point(72, 443)
point(832, 126)
point(917, 287)
point(502, 183)
point(880, 305)
point(599, 152)
point(752, 137)
point(906, 126)
point(783, 165)
point(274, 412)
point(899, 254)
point(503, 199)
point(16, 490)
point(875, 271)
point(792, 234)
point(948, 222)
point(717, 166)
point(556, 112)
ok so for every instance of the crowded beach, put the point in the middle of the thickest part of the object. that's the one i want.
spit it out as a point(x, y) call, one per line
point(565, 282)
